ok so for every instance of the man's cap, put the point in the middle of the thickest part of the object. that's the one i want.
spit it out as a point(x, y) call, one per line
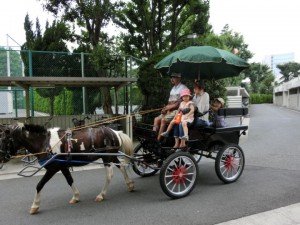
point(176, 74)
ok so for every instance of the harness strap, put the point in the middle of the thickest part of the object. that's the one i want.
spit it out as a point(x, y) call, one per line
point(113, 142)
point(91, 134)
point(69, 141)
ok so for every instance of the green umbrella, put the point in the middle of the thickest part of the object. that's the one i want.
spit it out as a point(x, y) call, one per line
point(203, 62)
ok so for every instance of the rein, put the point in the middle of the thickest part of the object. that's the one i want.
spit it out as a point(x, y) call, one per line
point(90, 125)
point(113, 119)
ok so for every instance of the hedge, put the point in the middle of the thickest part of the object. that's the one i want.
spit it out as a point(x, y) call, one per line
point(261, 98)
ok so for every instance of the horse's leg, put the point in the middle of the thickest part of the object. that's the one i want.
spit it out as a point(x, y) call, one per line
point(124, 169)
point(37, 198)
point(109, 175)
point(66, 172)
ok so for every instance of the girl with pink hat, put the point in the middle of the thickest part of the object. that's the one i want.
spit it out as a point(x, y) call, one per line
point(183, 118)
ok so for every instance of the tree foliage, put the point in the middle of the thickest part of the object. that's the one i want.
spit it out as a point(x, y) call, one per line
point(154, 26)
point(261, 78)
point(92, 16)
point(289, 70)
point(234, 40)
point(53, 39)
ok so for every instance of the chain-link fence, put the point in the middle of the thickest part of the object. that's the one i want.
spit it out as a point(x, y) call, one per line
point(66, 100)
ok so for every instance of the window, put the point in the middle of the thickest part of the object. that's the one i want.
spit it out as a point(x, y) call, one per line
point(293, 91)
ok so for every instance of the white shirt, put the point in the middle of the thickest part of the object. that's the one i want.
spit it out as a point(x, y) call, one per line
point(202, 102)
point(175, 92)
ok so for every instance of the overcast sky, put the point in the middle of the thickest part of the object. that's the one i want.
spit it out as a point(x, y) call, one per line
point(268, 27)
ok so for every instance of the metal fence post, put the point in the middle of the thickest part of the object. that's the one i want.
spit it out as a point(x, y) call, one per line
point(31, 89)
point(129, 126)
point(16, 103)
point(83, 88)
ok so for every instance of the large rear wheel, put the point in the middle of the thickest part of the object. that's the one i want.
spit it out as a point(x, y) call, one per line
point(230, 163)
point(141, 167)
point(178, 175)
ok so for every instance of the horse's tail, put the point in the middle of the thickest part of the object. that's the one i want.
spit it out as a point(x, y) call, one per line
point(127, 146)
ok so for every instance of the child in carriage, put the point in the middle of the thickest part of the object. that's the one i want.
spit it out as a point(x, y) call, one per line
point(182, 119)
point(218, 120)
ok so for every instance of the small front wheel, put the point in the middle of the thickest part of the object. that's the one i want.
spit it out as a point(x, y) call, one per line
point(178, 175)
point(230, 163)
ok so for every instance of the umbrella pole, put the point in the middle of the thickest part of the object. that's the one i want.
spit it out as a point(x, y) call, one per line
point(199, 74)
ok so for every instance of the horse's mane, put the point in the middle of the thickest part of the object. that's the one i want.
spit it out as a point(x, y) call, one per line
point(35, 128)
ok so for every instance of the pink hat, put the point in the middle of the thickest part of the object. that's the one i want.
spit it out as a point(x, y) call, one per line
point(184, 92)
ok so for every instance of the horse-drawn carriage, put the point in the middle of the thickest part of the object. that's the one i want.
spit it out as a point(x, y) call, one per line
point(58, 150)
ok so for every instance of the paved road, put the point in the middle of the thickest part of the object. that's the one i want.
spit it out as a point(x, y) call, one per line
point(271, 179)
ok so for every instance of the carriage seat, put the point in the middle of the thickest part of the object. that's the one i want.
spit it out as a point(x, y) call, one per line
point(229, 112)
point(226, 112)
point(233, 112)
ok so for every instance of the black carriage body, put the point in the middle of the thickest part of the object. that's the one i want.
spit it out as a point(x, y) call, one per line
point(179, 167)
point(201, 138)
point(222, 135)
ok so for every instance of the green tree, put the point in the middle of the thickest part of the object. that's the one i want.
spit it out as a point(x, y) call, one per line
point(92, 16)
point(159, 25)
point(234, 40)
point(261, 78)
point(53, 39)
point(289, 70)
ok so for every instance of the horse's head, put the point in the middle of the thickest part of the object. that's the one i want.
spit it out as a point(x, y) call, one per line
point(34, 138)
point(6, 143)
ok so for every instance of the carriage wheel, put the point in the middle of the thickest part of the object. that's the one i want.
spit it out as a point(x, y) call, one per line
point(230, 163)
point(140, 168)
point(178, 175)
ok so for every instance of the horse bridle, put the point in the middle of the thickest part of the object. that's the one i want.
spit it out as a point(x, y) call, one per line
point(8, 145)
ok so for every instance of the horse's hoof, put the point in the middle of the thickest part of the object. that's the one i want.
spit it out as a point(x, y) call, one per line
point(34, 211)
point(99, 199)
point(73, 201)
point(130, 188)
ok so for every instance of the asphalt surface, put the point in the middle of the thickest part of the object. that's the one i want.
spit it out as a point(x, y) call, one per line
point(270, 180)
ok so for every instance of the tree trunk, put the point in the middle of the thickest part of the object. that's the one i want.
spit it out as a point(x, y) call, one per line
point(106, 100)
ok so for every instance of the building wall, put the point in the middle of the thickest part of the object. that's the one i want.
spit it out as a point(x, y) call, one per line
point(293, 101)
point(288, 94)
point(6, 102)
point(278, 100)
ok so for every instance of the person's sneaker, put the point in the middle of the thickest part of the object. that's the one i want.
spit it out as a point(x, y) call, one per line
point(186, 137)
point(165, 134)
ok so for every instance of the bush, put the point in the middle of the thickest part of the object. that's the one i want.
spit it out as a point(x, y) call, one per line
point(261, 98)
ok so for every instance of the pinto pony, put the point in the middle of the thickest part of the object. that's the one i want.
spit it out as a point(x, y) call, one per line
point(42, 142)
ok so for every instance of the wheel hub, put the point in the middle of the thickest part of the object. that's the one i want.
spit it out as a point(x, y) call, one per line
point(179, 174)
point(229, 161)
